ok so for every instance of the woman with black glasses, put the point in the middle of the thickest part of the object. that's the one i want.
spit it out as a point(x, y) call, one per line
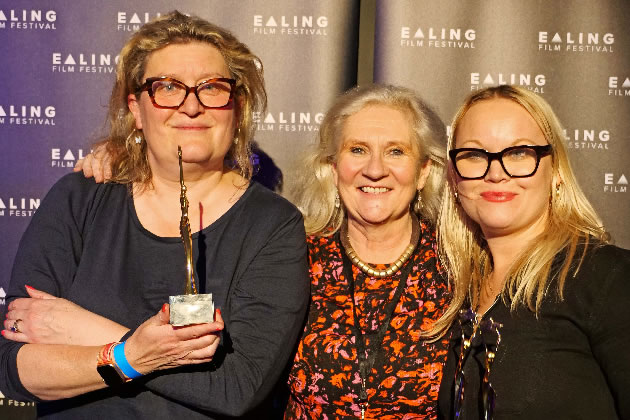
point(539, 310)
point(110, 255)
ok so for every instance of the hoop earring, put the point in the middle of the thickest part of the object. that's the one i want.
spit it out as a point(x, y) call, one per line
point(137, 136)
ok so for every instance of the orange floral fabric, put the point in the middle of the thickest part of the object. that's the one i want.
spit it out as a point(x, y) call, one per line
point(404, 382)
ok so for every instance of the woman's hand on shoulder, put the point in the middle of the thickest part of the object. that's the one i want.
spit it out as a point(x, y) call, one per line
point(157, 345)
point(46, 319)
point(96, 164)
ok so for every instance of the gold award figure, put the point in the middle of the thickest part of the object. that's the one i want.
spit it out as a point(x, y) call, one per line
point(191, 307)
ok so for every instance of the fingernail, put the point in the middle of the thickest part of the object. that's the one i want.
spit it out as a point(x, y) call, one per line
point(28, 287)
point(3, 332)
point(164, 307)
point(219, 311)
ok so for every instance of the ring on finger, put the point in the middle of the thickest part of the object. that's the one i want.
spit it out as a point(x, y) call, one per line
point(15, 328)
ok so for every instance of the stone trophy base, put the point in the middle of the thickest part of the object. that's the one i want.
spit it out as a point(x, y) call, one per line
point(191, 309)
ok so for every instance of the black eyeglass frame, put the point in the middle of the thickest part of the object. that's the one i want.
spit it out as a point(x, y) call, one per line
point(465, 316)
point(487, 391)
point(148, 86)
point(482, 327)
point(541, 151)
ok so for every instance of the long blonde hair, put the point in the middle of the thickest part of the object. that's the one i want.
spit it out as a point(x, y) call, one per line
point(571, 224)
point(313, 188)
point(129, 160)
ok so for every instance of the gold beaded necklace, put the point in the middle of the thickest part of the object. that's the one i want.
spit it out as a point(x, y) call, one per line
point(395, 266)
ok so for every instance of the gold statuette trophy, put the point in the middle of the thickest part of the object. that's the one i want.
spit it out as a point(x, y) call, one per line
point(191, 307)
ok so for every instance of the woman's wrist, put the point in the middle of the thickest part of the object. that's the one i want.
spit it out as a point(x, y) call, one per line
point(120, 359)
point(113, 366)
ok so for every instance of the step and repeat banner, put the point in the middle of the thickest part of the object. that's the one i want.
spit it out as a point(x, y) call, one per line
point(58, 64)
point(575, 54)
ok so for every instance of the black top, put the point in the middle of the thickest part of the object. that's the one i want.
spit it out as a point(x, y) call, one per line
point(86, 244)
point(573, 362)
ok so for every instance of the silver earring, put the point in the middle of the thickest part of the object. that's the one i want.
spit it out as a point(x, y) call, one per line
point(137, 136)
point(456, 195)
point(557, 190)
point(337, 200)
point(238, 133)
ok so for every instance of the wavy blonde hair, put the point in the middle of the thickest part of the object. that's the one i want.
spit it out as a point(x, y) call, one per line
point(129, 160)
point(313, 188)
point(571, 224)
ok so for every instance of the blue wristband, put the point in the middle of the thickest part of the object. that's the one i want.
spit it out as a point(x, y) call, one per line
point(121, 361)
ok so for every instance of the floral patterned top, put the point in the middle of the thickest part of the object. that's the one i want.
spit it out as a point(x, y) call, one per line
point(404, 381)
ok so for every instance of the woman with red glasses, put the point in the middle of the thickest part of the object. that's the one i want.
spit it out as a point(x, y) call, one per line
point(540, 298)
point(105, 257)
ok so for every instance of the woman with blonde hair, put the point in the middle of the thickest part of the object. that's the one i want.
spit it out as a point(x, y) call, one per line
point(99, 259)
point(369, 195)
point(540, 297)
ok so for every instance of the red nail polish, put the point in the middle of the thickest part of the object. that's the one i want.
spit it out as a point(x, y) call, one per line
point(164, 307)
point(3, 332)
point(28, 287)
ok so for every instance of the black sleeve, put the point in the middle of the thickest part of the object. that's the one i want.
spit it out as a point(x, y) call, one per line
point(610, 326)
point(268, 307)
point(47, 259)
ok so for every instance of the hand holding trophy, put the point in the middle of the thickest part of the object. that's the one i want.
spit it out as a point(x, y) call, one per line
point(191, 307)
